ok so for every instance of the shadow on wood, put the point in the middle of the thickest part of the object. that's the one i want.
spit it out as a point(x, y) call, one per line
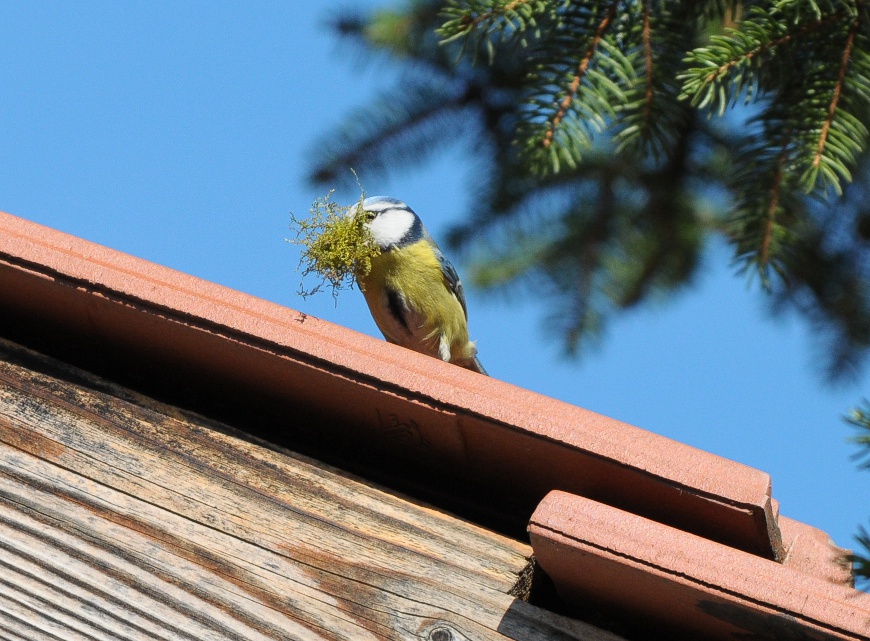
point(121, 518)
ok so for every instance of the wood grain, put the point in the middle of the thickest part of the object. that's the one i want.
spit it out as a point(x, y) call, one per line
point(121, 518)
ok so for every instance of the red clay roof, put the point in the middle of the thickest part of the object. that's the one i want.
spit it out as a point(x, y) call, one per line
point(65, 294)
point(598, 553)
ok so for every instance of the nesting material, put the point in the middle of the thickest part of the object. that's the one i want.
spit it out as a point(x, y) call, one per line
point(337, 246)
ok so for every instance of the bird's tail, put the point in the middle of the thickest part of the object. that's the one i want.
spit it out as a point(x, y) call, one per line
point(467, 358)
point(473, 364)
point(479, 368)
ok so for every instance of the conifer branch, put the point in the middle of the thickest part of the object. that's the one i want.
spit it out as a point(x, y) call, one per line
point(773, 205)
point(582, 68)
point(471, 23)
point(476, 16)
point(648, 60)
point(748, 56)
point(395, 123)
point(584, 316)
point(835, 94)
point(764, 47)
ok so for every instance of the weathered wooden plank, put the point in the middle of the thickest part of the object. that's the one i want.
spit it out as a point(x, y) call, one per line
point(121, 518)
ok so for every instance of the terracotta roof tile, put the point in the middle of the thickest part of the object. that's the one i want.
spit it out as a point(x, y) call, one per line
point(812, 551)
point(637, 567)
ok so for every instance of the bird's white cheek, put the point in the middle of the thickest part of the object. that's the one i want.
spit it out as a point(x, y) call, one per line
point(391, 227)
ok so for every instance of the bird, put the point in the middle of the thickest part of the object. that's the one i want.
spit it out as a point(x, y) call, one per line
point(413, 292)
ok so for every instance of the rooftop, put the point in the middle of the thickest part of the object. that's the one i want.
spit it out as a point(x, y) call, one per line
point(637, 522)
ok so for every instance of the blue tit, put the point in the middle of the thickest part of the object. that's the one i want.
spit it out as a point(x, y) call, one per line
point(412, 290)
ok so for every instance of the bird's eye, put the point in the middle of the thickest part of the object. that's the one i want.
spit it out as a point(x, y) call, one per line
point(370, 215)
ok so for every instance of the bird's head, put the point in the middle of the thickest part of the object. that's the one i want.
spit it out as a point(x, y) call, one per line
point(392, 222)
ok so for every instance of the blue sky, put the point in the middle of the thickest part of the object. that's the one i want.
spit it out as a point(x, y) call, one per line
point(180, 132)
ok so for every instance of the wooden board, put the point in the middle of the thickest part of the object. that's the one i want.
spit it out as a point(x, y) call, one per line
point(121, 518)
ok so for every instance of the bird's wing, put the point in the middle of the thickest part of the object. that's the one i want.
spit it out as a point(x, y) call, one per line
point(452, 279)
point(398, 308)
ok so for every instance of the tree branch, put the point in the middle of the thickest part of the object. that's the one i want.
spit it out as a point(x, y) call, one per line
point(773, 204)
point(835, 97)
point(647, 53)
point(774, 43)
point(469, 24)
point(582, 68)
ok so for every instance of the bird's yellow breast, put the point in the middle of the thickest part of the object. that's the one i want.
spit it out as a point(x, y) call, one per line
point(415, 272)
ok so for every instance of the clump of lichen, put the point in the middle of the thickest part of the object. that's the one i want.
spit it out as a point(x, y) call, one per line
point(336, 245)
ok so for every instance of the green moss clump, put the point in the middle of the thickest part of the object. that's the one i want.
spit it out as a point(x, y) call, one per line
point(336, 245)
